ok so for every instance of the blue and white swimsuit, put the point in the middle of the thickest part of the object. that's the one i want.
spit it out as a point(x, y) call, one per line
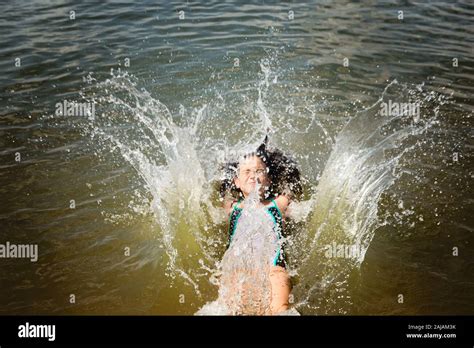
point(277, 218)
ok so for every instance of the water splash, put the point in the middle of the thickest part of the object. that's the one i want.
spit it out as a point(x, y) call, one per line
point(179, 163)
point(364, 163)
point(172, 170)
point(245, 284)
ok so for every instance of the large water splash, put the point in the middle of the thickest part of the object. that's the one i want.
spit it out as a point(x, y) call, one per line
point(165, 156)
point(178, 164)
point(364, 163)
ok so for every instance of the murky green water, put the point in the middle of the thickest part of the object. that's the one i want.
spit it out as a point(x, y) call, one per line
point(123, 207)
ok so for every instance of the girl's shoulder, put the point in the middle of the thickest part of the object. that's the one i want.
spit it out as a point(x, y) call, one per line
point(230, 204)
point(282, 202)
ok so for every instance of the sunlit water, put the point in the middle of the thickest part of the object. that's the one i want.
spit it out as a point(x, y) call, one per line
point(174, 98)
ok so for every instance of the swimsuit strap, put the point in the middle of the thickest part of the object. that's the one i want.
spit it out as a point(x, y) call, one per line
point(238, 202)
point(233, 218)
point(276, 206)
point(277, 217)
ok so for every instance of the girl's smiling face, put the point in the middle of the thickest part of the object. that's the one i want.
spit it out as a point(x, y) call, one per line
point(251, 170)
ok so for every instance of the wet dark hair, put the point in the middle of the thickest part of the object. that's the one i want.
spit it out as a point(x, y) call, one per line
point(282, 172)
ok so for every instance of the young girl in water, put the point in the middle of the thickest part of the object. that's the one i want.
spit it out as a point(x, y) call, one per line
point(279, 182)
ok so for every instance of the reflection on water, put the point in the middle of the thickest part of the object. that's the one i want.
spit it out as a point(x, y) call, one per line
point(123, 205)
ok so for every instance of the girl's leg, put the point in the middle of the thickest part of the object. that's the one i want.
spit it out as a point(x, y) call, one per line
point(281, 287)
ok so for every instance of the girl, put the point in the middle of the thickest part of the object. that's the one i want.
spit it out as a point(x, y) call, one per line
point(279, 183)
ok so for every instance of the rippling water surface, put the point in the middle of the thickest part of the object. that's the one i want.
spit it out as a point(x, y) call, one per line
point(123, 205)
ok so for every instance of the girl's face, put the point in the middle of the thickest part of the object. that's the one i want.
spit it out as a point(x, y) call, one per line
point(251, 170)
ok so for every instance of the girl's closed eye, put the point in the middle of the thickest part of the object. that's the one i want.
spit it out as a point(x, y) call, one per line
point(258, 172)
